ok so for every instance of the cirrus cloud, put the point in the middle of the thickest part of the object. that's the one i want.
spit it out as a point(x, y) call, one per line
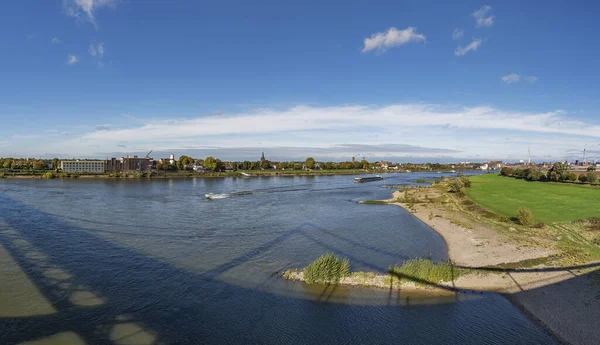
point(457, 34)
point(482, 20)
point(84, 10)
point(473, 46)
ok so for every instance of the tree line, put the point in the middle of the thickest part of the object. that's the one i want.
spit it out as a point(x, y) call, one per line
point(214, 164)
point(558, 173)
point(28, 164)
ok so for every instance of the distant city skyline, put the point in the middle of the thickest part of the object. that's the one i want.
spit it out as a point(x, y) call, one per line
point(406, 81)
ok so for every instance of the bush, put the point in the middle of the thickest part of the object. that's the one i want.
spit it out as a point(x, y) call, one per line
point(425, 270)
point(465, 181)
point(455, 186)
point(525, 216)
point(591, 177)
point(535, 175)
point(570, 177)
point(327, 268)
point(582, 178)
point(506, 171)
point(49, 175)
point(519, 173)
point(539, 225)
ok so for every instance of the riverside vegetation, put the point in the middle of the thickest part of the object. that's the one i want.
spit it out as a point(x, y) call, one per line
point(558, 219)
point(330, 269)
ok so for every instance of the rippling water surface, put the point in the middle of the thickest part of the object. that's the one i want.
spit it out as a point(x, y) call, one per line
point(154, 262)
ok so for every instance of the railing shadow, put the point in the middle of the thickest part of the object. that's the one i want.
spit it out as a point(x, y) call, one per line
point(133, 291)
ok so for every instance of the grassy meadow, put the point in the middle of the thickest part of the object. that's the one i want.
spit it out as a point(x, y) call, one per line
point(549, 202)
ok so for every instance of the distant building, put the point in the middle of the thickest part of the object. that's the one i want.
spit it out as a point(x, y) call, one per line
point(83, 166)
point(129, 163)
point(198, 167)
point(494, 165)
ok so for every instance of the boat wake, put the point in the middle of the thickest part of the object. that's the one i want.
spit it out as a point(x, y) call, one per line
point(212, 196)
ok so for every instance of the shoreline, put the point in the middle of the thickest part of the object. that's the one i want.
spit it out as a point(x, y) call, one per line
point(560, 300)
point(183, 175)
point(545, 294)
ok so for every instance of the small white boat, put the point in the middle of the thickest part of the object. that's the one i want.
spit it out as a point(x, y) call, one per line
point(245, 174)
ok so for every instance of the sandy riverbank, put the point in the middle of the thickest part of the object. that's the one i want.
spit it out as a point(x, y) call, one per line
point(563, 300)
point(512, 261)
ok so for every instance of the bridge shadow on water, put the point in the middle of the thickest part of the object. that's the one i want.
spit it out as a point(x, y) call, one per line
point(106, 293)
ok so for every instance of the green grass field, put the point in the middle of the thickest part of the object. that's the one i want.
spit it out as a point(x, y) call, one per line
point(549, 202)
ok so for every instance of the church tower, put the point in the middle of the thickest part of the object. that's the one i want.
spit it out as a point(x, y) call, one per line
point(262, 157)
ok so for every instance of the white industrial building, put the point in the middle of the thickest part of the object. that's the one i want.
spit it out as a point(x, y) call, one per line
point(83, 166)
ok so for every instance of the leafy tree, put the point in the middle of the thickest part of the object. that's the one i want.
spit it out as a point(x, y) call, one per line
point(7, 163)
point(310, 163)
point(39, 165)
point(183, 161)
point(591, 177)
point(265, 164)
point(557, 172)
point(55, 163)
point(591, 168)
point(525, 216)
point(535, 175)
point(246, 165)
point(210, 163)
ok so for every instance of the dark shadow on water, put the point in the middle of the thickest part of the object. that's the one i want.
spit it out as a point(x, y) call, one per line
point(173, 306)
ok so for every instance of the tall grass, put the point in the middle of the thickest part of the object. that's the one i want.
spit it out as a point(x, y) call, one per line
point(424, 271)
point(327, 268)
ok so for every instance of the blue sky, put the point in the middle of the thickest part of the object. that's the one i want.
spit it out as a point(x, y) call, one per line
point(402, 79)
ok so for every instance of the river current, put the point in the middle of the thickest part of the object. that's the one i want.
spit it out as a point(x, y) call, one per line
point(155, 262)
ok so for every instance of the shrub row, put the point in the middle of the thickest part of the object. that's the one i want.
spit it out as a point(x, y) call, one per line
point(557, 173)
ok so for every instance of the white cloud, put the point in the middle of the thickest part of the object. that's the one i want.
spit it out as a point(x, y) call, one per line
point(482, 20)
point(511, 78)
point(71, 59)
point(475, 131)
point(96, 50)
point(531, 79)
point(457, 34)
point(473, 46)
point(382, 41)
point(84, 10)
point(56, 40)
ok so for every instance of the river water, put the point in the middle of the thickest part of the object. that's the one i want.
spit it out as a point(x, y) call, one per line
point(154, 262)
